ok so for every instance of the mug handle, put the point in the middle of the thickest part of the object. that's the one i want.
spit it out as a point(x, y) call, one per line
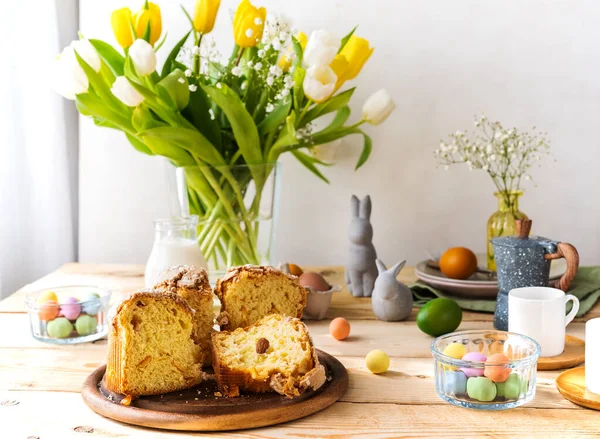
point(567, 251)
point(569, 318)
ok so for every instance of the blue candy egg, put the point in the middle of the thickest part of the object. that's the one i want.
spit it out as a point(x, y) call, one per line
point(91, 304)
point(456, 383)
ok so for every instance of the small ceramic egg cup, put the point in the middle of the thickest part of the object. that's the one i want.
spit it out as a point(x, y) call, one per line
point(475, 382)
point(69, 314)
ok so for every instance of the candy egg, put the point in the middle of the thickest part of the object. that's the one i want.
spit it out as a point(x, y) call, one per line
point(454, 350)
point(497, 373)
point(70, 308)
point(377, 361)
point(59, 328)
point(91, 304)
point(471, 371)
point(86, 325)
point(48, 310)
point(456, 383)
point(511, 388)
point(339, 328)
point(47, 296)
point(314, 281)
point(481, 388)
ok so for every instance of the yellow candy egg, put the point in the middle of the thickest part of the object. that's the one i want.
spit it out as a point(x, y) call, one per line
point(377, 361)
point(454, 350)
point(47, 296)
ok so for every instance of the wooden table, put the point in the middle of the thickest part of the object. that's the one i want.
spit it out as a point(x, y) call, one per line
point(40, 383)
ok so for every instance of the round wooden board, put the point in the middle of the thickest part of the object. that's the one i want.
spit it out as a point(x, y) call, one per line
point(573, 355)
point(197, 409)
point(571, 385)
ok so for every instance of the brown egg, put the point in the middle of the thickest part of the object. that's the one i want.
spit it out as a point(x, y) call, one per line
point(314, 281)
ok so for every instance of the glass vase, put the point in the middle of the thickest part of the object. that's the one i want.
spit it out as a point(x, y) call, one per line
point(236, 206)
point(502, 222)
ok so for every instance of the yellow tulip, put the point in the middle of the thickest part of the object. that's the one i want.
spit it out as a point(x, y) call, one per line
point(357, 52)
point(205, 14)
point(150, 13)
point(285, 62)
point(121, 20)
point(248, 24)
point(339, 65)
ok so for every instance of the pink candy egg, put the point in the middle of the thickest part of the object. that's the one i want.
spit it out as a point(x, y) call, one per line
point(70, 308)
point(473, 356)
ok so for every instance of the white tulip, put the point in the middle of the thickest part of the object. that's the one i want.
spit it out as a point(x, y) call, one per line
point(321, 48)
point(143, 57)
point(319, 83)
point(68, 77)
point(125, 92)
point(378, 107)
point(88, 53)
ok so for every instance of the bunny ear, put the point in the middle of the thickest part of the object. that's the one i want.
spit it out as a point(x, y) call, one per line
point(395, 270)
point(365, 208)
point(354, 206)
point(381, 268)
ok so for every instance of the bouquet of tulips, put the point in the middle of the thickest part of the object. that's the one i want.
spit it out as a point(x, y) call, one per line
point(212, 115)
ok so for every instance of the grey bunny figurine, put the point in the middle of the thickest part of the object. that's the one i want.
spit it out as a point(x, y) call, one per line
point(361, 270)
point(392, 300)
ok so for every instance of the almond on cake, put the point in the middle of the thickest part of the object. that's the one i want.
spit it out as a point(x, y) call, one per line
point(274, 354)
point(150, 346)
point(192, 285)
point(248, 293)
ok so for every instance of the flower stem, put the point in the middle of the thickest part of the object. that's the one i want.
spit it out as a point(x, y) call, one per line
point(197, 56)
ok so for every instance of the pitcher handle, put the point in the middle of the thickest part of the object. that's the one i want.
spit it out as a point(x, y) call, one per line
point(567, 251)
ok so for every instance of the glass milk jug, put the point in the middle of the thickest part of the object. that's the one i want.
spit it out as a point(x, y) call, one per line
point(175, 243)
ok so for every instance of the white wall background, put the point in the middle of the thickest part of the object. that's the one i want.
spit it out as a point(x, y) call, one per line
point(524, 63)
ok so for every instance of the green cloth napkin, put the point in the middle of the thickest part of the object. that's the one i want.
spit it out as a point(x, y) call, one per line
point(585, 286)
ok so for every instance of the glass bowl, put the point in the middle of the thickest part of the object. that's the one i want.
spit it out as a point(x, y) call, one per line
point(478, 383)
point(69, 314)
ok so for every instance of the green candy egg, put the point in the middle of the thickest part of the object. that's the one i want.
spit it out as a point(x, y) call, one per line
point(86, 325)
point(511, 388)
point(481, 388)
point(59, 328)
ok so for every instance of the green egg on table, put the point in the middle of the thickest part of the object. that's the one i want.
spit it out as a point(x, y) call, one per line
point(511, 388)
point(59, 328)
point(481, 388)
point(86, 325)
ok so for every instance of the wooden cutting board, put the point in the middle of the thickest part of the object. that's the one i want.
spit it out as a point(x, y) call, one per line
point(198, 409)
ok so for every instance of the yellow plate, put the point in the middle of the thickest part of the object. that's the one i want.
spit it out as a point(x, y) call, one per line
point(571, 384)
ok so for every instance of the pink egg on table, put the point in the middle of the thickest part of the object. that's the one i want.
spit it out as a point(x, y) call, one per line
point(70, 308)
point(473, 356)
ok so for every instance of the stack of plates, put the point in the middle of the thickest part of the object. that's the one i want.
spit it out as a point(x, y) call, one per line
point(480, 285)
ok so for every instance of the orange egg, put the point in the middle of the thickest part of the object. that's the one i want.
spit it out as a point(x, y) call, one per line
point(458, 263)
point(295, 270)
point(48, 310)
point(497, 373)
point(339, 328)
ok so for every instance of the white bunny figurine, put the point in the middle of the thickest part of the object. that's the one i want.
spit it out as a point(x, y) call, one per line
point(361, 271)
point(392, 300)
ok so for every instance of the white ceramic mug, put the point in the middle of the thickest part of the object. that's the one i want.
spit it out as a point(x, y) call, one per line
point(539, 313)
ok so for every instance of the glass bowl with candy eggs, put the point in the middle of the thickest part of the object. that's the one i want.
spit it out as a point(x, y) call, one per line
point(485, 370)
point(69, 314)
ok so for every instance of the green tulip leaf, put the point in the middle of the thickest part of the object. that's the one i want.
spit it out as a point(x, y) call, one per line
point(287, 138)
point(177, 88)
point(242, 124)
point(367, 148)
point(113, 59)
point(275, 118)
point(309, 163)
point(297, 51)
point(339, 120)
point(197, 113)
point(298, 90)
point(167, 66)
point(163, 109)
point(159, 146)
point(346, 38)
point(93, 106)
point(332, 104)
point(138, 144)
point(143, 119)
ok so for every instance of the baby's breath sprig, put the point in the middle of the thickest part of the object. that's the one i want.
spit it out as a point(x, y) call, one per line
point(507, 155)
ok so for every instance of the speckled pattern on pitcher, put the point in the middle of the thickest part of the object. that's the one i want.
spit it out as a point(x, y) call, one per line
point(519, 263)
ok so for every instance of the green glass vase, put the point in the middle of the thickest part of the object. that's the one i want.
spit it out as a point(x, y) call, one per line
point(502, 222)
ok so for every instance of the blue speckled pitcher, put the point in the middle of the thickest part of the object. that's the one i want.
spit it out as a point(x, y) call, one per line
point(524, 261)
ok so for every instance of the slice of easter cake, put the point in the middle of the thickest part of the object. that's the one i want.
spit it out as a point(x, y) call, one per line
point(150, 346)
point(248, 293)
point(192, 285)
point(274, 354)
